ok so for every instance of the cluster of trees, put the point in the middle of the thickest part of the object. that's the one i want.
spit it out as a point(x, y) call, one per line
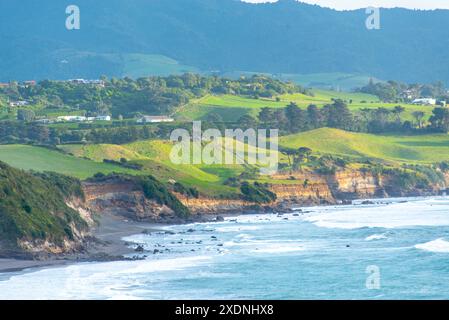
point(439, 121)
point(394, 92)
point(20, 132)
point(153, 95)
point(293, 119)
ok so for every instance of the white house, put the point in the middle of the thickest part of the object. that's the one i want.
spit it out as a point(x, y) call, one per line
point(18, 103)
point(425, 101)
point(72, 118)
point(154, 119)
point(103, 118)
point(100, 83)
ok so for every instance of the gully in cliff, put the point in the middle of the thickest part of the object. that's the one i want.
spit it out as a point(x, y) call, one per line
point(228, 149)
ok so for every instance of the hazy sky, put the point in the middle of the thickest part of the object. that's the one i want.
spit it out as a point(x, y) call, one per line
point(356, 4)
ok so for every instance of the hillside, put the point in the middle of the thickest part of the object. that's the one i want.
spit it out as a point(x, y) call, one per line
point(34, 215)
point(397, 149)
point(218, 35)
point(42, 159)
point(199, 109)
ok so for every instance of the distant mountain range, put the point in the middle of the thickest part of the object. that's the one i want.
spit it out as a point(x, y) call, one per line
point(120, 37)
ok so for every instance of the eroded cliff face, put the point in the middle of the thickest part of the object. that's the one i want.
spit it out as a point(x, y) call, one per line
point(126, 199)
point(308, 188)
point(204, 205)
point(355, 184)
point(296, 188)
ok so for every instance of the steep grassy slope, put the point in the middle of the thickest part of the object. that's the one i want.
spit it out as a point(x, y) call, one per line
point(32, 208)
point(154, 157)
point(407, 149)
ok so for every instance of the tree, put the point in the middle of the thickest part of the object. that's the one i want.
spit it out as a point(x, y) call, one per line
point(299, 156)
point(290, 153)
point(304, 153)
point(418, 115)
point(296, 118)
point(397, 111)
point(246, 121)
point(266, 116)
point(25, 115)
point(440, 119)
point(338, 115)
point(315, 118)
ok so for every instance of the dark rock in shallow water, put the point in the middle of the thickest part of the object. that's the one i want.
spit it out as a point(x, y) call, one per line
point(219, 219)
point(139, 248)
point(156, 251)
point(367, 202)
point(191, 230)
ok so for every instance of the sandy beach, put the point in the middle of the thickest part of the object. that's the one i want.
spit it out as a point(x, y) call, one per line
point(109, 246)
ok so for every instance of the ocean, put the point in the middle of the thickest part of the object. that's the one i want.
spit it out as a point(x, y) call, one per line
point(388, 249)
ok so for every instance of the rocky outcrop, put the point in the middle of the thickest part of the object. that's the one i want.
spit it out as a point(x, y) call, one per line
point(355, 184)
point(204, 205)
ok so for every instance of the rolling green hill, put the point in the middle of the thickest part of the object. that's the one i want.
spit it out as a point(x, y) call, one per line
point(43, 159)
point(399, 149)
point(232, 107)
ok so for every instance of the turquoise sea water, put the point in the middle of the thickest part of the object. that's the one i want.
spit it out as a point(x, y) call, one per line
point(319, 253)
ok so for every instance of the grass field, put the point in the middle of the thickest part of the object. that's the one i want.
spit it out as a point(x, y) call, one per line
point(397, 149)
point(154, 156)
point(42, 159)
point(231, 107)
point(83, 161)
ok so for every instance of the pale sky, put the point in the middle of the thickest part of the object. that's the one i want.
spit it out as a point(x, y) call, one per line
point(357, 4)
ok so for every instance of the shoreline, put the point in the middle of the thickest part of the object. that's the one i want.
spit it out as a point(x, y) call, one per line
point(109, 246)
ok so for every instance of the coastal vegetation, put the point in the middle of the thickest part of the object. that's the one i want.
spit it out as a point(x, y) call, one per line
point(33, 207)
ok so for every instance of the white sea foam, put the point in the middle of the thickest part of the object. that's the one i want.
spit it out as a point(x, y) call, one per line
point(111, 280)
point(438, 245)
point(433, 212)
point(376, 237)
point(237, 228)
point(266, 246)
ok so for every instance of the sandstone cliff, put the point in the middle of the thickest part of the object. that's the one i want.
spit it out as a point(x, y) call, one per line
point(297, 188)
